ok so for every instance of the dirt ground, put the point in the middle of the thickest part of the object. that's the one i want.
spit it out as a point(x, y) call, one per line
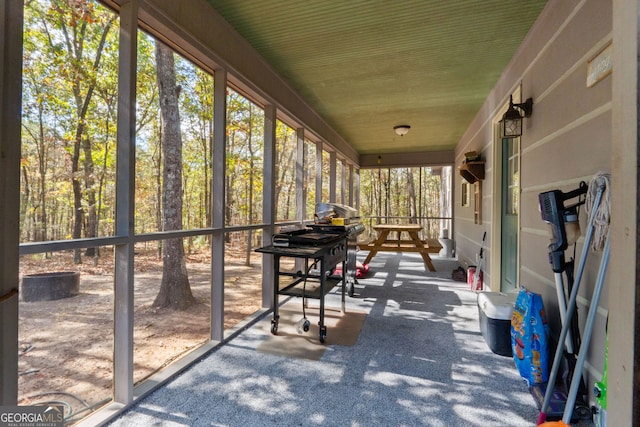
point(66, 345)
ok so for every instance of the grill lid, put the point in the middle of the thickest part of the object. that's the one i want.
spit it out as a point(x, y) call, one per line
point(326, 213)
point(353, 228)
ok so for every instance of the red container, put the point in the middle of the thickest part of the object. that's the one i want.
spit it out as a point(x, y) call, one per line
point(471, 275)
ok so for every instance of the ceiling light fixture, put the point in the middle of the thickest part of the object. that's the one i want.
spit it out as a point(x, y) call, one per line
point(401, 130)
point(512, 120)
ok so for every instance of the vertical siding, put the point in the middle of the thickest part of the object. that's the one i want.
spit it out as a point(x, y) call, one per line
point(567, 140)
point(624, 292)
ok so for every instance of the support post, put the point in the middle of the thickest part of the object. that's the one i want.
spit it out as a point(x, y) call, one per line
point(125, 206)
point(11, 18)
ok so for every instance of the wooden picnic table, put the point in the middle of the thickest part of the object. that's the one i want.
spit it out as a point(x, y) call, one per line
point(385, 242)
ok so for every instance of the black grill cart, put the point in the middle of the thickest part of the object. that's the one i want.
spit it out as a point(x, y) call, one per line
point(337, 218)
point(321, 252)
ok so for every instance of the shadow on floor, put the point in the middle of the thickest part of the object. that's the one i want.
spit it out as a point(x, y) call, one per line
point(420, 360)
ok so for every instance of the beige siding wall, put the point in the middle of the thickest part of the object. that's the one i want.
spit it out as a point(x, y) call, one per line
point(624, 288)
point(566, 140)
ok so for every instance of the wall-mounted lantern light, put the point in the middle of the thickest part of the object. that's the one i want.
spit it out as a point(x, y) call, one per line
point(511, 122)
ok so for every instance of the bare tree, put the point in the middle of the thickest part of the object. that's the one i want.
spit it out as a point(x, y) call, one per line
point(413, 211)
point(175, 291)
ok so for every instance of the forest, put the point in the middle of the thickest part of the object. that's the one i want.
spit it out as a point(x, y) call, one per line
point(69, 132)
point(69, 179)
point(69, 125)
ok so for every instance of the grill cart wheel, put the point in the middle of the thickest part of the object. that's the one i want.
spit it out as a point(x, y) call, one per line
point(323, 334)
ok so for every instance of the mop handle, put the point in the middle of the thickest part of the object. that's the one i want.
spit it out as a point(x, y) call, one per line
point(476, 275)
point(562, 306)
point(588, 329)
point(570, 309)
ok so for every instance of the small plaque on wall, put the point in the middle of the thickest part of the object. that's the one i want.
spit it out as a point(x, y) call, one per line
point(599, 67)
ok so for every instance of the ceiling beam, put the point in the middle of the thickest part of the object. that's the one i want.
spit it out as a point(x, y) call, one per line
point(399, 160)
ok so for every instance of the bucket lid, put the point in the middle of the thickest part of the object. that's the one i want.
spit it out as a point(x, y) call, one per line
point(497, 305)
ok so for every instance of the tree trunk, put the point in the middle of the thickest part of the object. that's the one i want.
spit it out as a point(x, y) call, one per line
point(103, 175)
point(206, 184)
point(158, 172)
point(412, 197)
point(78, 212)
point(42, 234)
point(175, 291)
point(25, 196)
point(74, 41)
point(229, 195)
point(90, 188)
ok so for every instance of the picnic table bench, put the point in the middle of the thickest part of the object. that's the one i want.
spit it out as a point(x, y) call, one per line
point(386, 243)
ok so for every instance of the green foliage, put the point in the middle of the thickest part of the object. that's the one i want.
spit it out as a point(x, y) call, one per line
point(285, 195)
point(69, 129)
point(245, 150)
point(70, 55)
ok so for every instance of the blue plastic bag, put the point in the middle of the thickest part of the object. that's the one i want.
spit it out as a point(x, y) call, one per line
point(529, 338)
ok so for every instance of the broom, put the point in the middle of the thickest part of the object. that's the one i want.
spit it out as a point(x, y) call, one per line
point(476, 275)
